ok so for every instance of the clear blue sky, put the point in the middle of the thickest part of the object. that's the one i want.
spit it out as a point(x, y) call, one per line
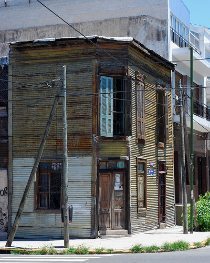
point(199, 11)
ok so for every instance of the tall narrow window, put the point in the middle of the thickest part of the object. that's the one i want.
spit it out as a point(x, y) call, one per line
point(49, 186)
point(114, 106)
point(140, 105)
point(162, 115)
point(141, 184)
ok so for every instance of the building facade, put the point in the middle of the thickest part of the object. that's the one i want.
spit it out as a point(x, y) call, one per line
point(120, 136)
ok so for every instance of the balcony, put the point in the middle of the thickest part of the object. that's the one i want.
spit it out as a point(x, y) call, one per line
point(180, 41)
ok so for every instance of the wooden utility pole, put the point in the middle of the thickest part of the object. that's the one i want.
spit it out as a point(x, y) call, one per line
point(191, 144)
point(32, 175)
point(183, 163)
point(65, 165)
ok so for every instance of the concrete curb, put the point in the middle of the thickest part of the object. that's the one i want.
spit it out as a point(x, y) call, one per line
point(7, 250)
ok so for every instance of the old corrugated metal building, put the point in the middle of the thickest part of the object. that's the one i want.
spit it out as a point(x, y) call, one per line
point(3, 147)
point(120, 136)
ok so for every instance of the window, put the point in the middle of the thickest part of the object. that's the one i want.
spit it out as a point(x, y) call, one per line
point(162, 115)
point(140, 105)
point(114, 106)
point(141, 184)
point(49, 185)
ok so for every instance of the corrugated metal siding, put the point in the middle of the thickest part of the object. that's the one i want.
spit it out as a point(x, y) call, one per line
point(38, 223)
point(79, 192)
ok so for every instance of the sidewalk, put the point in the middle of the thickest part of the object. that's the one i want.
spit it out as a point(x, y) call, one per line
point(154, 237)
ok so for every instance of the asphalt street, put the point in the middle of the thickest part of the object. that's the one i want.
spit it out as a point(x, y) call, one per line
point(201, 255)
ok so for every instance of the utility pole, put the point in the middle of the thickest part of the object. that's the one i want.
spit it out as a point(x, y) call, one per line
point(191, 143)
point(65, 165)
point(183, 163)
point(32, 175)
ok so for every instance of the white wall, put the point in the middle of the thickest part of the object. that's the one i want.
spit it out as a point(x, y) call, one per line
point(19, 14)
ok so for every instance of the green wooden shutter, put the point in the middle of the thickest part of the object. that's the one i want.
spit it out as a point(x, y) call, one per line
point(140, 108)
point(106, 106)
point(127, 105)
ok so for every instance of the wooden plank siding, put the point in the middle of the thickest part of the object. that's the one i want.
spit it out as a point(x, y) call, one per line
point(34, 65)
point(154, 74)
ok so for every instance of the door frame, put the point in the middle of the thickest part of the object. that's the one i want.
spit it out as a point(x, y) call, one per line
point(126, 189)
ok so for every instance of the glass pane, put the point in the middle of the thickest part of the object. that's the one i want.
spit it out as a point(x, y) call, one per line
point(44, 182)
point(55, 201)
point(121, 164)
point(55, 182)
point(141, 167)
point(43, 200)
point(112, 164)
point(103, 165)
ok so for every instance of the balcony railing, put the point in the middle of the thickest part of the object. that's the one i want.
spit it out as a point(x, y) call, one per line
point(182, 42)
point(178, 39)
point(199, 109)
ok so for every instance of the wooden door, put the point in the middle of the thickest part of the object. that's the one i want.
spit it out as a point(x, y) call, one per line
point(118, 201)
point(105, 197)
point(162, 197)
point(111, 201)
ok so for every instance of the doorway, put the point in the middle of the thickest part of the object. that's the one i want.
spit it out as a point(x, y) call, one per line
point(162, 192)
point(111, 201)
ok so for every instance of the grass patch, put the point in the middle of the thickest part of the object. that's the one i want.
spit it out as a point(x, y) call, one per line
point(207, 243)
point(198, 244)
point(151, 249)
point(69, 251)
point(137, 249)
point(99, 250)
point(109, 251)
point(81, 250)
point(175, 246)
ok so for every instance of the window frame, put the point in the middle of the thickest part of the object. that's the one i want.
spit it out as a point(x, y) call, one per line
point(38, 193)
point(125, 129)
point(163, 135)
point(143, 174)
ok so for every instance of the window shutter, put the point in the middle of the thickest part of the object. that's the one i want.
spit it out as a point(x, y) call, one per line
point(127, 106)
point(106, 107)
point(140, 105)
point(140, 190)
point(166, 118)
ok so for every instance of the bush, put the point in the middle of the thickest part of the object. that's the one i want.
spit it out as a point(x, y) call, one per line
point(202, 213)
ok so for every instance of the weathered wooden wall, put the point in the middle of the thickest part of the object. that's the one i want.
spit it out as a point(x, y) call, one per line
point(32, 101)
point(31, 68)
point(155, 73)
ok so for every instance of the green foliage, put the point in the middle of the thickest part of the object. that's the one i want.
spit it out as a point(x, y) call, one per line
point(207, 243)
point(198, 244)
point(81, 250)
point(151, 249)
point(137, 249)
point(70, 250)
point(109, 251)
point(47, 250)
point(99, 250)
point(175, 246)
point(203, 212)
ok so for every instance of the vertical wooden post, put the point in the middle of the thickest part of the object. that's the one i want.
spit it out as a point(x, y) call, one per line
point(65, 165)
